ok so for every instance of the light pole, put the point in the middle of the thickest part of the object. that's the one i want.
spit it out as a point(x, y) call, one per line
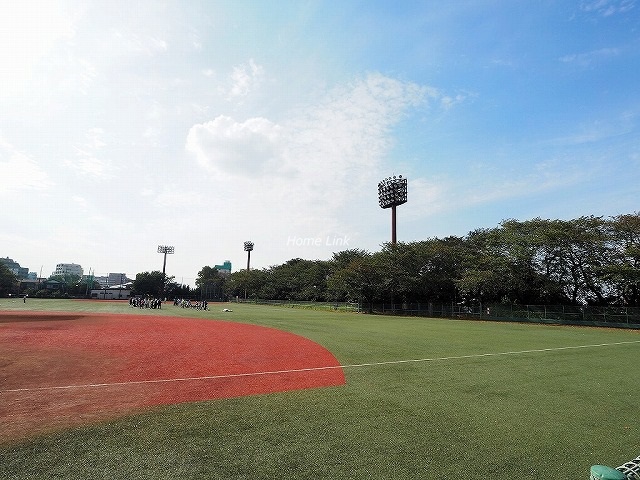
point(248, 246)
point(392, 192)
point(166, 249)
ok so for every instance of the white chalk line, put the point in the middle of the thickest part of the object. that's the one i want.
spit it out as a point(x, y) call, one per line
point(312, 369)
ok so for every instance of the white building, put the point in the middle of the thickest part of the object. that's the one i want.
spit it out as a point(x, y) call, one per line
point(72, 268)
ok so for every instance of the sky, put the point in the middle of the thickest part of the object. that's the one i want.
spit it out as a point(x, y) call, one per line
point(204, 124)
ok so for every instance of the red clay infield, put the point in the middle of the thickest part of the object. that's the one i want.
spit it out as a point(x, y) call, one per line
point(66, 369)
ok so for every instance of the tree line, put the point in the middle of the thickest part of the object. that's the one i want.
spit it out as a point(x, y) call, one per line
point(589, 260)
point(585, 261)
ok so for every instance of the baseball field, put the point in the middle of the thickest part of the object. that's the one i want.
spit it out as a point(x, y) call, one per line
point(94, 389)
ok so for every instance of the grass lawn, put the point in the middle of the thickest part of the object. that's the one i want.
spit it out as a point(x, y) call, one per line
point(482, 400)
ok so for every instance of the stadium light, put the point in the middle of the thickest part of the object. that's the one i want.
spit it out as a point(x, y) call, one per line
point(392, 192)
point(248, 246)
point(166, 249)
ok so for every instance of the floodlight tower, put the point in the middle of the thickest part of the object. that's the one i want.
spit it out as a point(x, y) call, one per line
point(392, 192)
point(248, 246)
point(166, 249)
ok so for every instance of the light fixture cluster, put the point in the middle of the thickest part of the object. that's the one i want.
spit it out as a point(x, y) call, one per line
point(392, 191)
point(166, 249)
point(248, 246)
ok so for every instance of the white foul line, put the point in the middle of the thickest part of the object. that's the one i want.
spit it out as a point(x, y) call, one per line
point(311, 369)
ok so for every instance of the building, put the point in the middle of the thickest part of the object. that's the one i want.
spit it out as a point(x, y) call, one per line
point(112, 279)
point(111, 294)
point(15, 268)
point(117, 279)
point(68, 268)
point(225, 268)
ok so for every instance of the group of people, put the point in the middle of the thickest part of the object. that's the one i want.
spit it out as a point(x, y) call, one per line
point(152, 302)
point(145, 302)
point(186, 303)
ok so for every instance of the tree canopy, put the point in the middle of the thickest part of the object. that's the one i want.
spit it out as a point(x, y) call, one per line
point(152, 284)
point(7, 280)
point(588, 260)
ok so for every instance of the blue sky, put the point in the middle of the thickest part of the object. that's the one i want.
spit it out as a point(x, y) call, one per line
point(126, 125)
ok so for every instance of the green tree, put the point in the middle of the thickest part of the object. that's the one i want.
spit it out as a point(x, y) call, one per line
point(176, 290)
point(342, 259)
point(298, 279)
point(360, 280)
point(69, 281)
point(441, 263)
point(151, 283)
point(522, 244)
point(338, 286)
point(247, 284)
point(622, 273)
point(8, 280)
point(83, 287)
point(210, 284)
point(485, 273)
point(575, 253)
point(399, 266)
point(585, 260)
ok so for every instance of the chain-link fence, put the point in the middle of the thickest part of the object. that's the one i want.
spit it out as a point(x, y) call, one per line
point(336, 306)
point(612, 316)
point(615, 316)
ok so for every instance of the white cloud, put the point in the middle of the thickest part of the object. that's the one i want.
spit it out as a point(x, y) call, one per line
point(244, 79)
point(598, 130)
point(29, 31)
point(429, 196)
point(586, 59)
point(87, 161)
point(173, 197)
point(448, 102)
point(151, 132)
point(493, 185)
point(80, 201)
point(240, 148)
point(78, 75)
point(294, 178)
point(346, 132)
point(607, 8)
point(351, 127)
point(19, 172)
point(86, 164)
point(137, 44)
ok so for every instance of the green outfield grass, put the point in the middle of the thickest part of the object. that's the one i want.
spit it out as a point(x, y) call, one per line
point(482, 400)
